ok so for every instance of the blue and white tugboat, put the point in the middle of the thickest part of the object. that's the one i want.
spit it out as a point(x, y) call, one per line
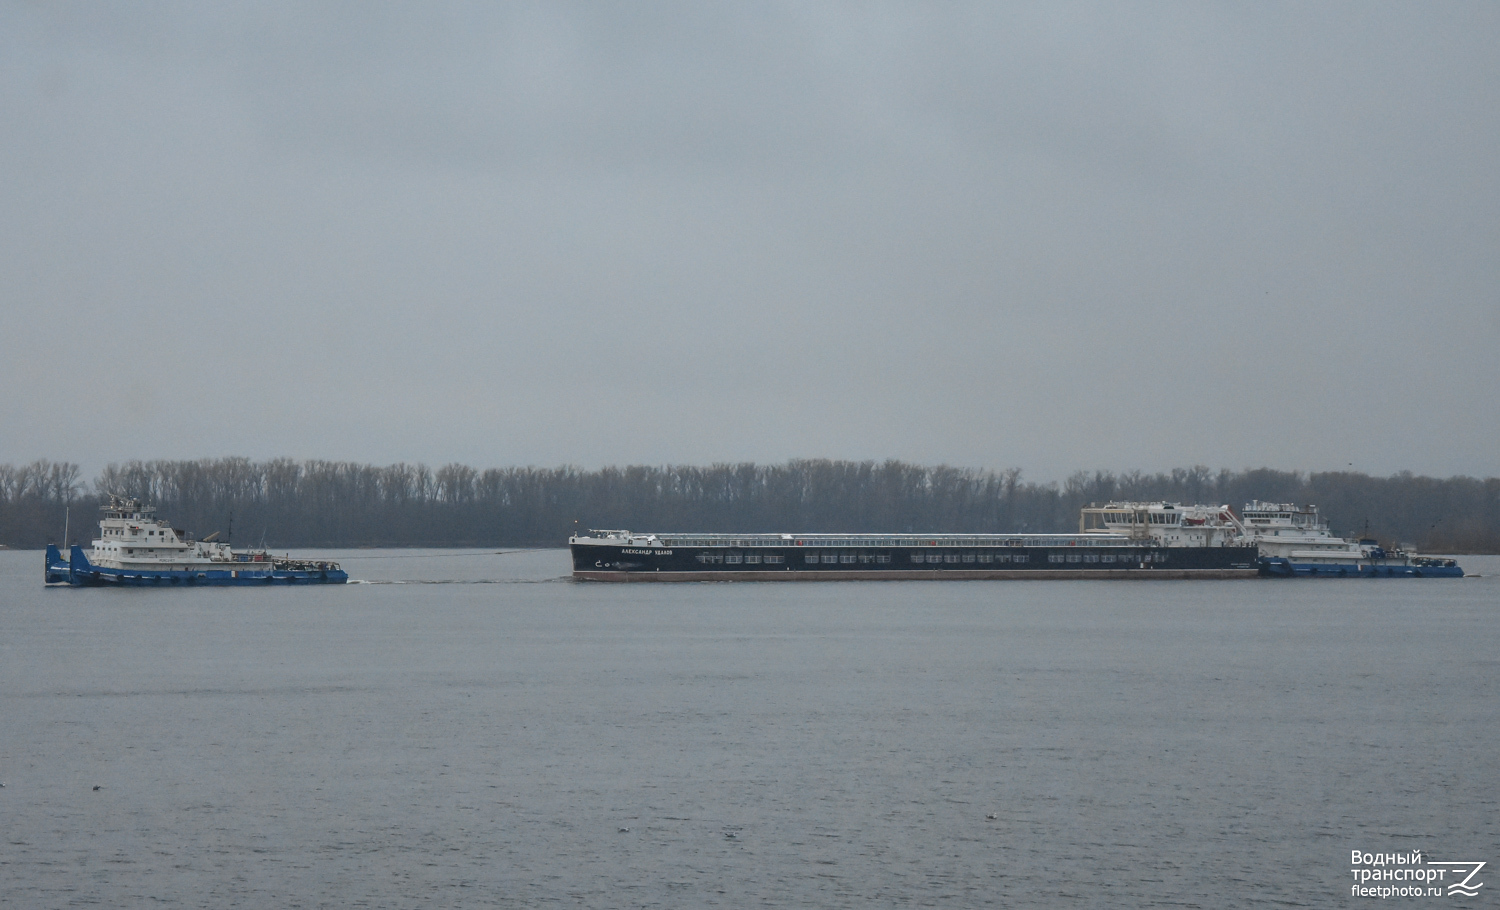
point(1294, 541)
point(1290, 540)
point(138, 549)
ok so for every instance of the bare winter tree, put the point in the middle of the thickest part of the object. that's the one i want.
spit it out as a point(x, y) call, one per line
point(329, 503)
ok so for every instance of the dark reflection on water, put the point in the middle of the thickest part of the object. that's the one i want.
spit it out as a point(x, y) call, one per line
point(973, 743)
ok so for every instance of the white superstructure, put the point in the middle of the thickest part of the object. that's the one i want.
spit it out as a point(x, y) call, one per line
point(132, 537)
point(1289, 539)
point(1170, 523)
point(1298, 533)
point(1277, 529)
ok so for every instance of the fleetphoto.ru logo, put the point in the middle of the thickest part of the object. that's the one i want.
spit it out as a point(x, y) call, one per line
point(1411, 875)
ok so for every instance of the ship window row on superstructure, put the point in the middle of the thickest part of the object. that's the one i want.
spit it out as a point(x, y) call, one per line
point(1154, 518)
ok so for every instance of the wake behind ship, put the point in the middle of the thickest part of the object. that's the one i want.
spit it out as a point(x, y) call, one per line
point(135, 548)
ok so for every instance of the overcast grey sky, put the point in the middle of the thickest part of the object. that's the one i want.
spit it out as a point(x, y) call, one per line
point(1049, 236)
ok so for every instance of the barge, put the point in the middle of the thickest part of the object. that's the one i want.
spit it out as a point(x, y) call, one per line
point(616, 555)
point(1115, 540)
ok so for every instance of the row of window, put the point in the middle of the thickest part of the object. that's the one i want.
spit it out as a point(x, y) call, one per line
point(920, 556)
point(814, 557)
point(1155, 518)
point(734, 559)
point(846, 558)
point(778, 541)
point(1107, 557)
point(119, 532)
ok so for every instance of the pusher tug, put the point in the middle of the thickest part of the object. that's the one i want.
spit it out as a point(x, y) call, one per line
point(136, 548)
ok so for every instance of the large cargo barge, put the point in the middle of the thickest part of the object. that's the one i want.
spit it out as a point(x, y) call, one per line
point(1115, 540)
point(613, 555)
point(137, 549)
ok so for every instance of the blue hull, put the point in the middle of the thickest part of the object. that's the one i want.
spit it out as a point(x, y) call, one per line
point(1277, 567)
point(78, 571)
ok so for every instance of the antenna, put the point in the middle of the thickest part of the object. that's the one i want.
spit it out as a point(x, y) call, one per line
point(229, 536)
point(65, 526)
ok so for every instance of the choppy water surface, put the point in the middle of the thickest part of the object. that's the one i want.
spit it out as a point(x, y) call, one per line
point(428, 740)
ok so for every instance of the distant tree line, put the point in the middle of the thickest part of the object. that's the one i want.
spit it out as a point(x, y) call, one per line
point(286, 503)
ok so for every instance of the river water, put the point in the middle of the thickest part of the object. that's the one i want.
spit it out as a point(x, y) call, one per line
point(471, 729)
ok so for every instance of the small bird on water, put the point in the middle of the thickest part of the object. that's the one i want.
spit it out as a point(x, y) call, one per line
point(96, 786)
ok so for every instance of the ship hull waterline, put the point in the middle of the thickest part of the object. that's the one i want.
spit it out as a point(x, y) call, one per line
point(1279, 567)
point(77, 571)
point(916, 575)
point(593, 562)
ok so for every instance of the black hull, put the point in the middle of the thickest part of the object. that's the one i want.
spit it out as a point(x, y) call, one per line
point(592, 562)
